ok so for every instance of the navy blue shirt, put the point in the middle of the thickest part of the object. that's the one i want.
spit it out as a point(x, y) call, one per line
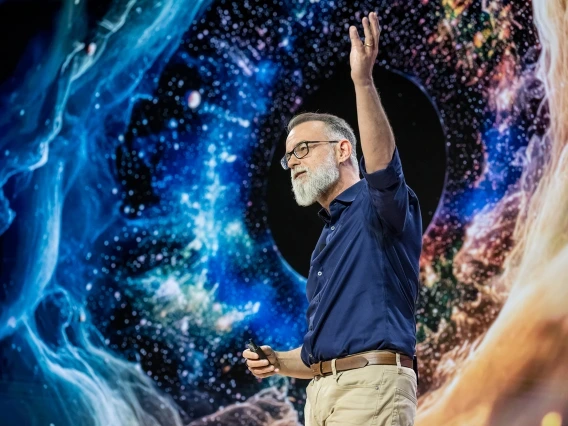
point(363, 281)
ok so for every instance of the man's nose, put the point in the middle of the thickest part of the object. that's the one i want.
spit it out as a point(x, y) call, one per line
point(293, 161)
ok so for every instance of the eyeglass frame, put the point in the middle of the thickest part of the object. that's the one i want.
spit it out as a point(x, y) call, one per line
point(284, 160)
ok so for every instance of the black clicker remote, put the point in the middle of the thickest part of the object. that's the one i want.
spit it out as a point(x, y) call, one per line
point(256, 349)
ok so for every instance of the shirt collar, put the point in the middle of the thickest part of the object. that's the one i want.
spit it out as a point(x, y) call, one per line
point(345, 198)
point(350, 193)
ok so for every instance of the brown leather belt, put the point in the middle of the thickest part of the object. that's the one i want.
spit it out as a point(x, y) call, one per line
point(361, 360)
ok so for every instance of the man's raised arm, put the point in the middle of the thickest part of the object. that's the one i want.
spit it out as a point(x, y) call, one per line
point(381, 164)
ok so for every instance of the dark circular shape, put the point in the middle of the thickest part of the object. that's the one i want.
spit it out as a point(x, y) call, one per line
point(419, 137)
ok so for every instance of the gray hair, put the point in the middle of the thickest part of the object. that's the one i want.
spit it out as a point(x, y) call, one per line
point(336, 128)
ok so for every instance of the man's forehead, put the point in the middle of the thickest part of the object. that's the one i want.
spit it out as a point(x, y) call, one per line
point(308, 131)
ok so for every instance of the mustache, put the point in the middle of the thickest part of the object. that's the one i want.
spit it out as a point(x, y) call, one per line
point(299, 170)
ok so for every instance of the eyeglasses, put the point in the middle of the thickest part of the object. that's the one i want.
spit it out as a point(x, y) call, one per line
point(300, 151)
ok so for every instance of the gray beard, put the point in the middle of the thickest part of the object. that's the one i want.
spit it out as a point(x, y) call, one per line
point(314, 184)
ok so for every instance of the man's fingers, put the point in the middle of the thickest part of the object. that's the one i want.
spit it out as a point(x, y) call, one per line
point(265, 375)
point(375, 25)
point(261, 368)
point(248, 354)
point(354, 36)
point(262, 371)
point(369, 39)
point(257, 371)
point(256, 364)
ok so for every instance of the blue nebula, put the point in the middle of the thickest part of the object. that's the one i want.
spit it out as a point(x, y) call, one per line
point(502, 148)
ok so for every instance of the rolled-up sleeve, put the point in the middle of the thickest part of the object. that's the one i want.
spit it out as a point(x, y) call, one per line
point(389, 193)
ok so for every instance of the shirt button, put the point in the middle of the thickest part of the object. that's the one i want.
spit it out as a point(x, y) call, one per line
point(320, 273)
point(333, 228)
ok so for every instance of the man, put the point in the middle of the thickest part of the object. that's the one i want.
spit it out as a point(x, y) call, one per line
point(363, 280)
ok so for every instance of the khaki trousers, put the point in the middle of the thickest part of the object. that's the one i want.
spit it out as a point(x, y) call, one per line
point(378, 395)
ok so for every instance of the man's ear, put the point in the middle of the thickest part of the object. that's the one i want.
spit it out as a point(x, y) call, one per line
point(344, 150)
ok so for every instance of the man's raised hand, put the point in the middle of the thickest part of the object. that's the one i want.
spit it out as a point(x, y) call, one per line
point(364, 55)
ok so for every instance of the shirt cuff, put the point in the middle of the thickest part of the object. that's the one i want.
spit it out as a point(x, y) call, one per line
point(384, 178)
